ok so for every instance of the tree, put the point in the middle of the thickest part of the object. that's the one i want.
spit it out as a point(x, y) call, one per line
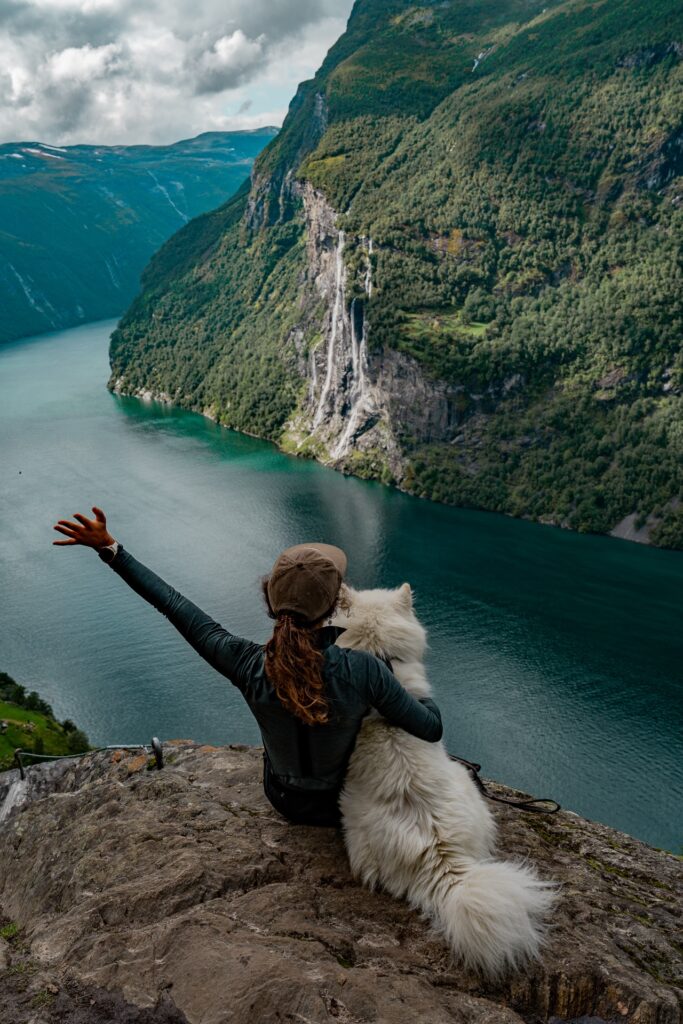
point(77, 742)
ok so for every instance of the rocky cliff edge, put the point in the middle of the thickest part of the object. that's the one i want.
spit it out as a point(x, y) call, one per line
point(158, 897)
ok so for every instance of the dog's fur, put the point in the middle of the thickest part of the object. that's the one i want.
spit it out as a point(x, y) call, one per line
point(415, 823)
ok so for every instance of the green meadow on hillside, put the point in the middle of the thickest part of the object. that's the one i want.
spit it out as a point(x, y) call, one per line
point(30, 725)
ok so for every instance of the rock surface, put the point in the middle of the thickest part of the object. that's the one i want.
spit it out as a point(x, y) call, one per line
point(158, 897)
point(360, 405)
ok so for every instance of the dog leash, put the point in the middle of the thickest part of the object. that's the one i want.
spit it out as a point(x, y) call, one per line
point(532, 805)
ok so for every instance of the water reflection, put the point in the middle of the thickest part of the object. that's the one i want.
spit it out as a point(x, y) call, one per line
point(555, 657)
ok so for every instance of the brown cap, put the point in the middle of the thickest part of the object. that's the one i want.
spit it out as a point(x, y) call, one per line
point(305, 580)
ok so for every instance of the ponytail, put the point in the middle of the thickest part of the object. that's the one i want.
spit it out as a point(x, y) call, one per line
point(294, 666)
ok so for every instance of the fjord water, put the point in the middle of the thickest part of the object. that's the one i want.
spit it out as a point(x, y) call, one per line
point(556, 658)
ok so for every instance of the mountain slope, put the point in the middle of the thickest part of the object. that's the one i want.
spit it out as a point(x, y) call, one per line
point(457, 267)
point(79, 223)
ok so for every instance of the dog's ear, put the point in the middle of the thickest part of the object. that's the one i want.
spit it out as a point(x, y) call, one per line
point(345, 600)
point(405, 596)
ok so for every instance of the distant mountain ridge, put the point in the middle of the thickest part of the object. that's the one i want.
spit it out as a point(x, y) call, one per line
point(457, 268)
point(79, 223)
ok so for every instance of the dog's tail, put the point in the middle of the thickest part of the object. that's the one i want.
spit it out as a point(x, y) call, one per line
point(492, 913)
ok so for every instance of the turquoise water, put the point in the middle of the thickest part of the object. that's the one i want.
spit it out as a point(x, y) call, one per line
point(556, 658)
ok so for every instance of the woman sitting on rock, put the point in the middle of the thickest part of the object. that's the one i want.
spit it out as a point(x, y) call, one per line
point(307, 695)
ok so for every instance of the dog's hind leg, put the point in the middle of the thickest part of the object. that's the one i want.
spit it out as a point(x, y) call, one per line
point(358, 839)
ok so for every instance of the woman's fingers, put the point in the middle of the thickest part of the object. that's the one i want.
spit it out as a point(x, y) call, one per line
point(66, 531)
point(81, 530)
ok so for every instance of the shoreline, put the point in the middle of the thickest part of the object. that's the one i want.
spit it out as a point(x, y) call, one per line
point(624, 530)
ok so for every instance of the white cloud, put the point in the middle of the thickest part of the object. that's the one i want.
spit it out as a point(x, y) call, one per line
point(83, 63)
point(125, 71)
point(231, 60)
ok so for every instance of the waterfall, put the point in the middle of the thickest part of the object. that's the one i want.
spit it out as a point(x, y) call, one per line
point(344, 360)
point(337, 326)
point(368, 269)
point(355, 347)
point(361, 399)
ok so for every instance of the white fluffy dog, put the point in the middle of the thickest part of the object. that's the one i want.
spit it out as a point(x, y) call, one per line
point(415, 823)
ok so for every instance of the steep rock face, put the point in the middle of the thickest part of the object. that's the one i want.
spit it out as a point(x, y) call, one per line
point(358, 406)
point(16, 792)
point(185, 896)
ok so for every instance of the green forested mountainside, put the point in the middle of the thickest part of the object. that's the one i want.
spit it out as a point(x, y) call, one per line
point(79, 223)
point(517, 166)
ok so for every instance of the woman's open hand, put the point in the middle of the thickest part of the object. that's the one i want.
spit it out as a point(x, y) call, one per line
point(91, 533)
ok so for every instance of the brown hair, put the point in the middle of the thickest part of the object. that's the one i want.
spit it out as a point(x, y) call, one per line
point(294, 665)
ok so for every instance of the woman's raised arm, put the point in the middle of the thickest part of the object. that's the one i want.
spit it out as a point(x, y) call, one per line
point(230, 655)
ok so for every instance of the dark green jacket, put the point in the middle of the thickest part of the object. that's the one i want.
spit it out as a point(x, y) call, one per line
point(310, 757)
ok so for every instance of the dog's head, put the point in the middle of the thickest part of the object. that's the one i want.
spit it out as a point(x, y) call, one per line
point(382, 622)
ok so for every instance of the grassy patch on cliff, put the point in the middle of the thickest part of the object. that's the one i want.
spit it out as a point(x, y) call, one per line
point(29, 724)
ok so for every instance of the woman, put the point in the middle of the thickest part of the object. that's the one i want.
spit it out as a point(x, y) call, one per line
point(307, 695)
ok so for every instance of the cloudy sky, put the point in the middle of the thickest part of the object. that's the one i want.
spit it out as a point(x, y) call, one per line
point(127, 71)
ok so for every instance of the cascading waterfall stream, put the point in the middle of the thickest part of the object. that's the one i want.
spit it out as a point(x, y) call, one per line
point(346, 356)
point(368, 268)
point(359, 390)
point(361, 404)
point(336, 325)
